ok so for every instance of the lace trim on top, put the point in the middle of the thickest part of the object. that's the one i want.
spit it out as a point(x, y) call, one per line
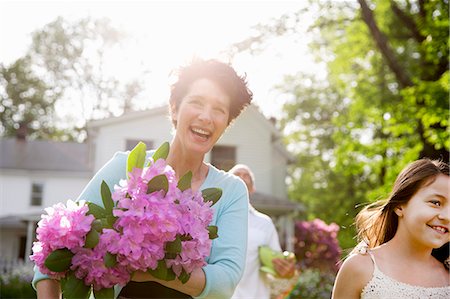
point(384, 286)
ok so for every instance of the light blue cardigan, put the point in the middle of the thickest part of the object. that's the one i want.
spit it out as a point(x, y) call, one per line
point(227, 258)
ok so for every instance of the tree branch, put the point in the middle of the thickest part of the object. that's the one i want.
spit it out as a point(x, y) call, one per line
point(408, 21)
point(383, 45)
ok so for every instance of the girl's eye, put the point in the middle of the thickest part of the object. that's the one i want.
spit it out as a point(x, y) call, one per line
point(435, 202)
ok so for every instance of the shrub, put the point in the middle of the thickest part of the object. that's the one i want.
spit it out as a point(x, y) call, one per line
point(317, 245)
point(17, 283)
point(312, 284)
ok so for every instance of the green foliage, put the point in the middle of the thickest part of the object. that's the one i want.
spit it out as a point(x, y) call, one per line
point(162, 271)
point(64, 64)
point(312, 284)
point(26, 102)
point(74, 288)
point(185, 181)
point(59, 260)
point(158, 183)
point(162, 152)
point(17, 284)
point(353, 130)
point(136, 158)
point(211, 194)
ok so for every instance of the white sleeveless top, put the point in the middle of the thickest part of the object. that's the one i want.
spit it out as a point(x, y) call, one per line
point(382, 286)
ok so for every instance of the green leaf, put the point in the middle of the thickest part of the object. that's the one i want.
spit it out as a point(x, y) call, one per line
point(106, 223)
point(97, 225)
point(106, 197)
point(184, 276)
point(212, 230)
point(104, 293)
point(110, 220)
point(162, 152)
point(174, 246)
point(110, 260)
point(74, 288)
point(59, 260)
point(157, 183)
point(211, 194)
point(96, 210)
point(92, 239)
point(162, 272)
point(185, 182)
point(136, 158)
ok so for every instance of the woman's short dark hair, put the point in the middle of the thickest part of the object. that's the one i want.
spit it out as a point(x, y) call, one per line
point(222, 74)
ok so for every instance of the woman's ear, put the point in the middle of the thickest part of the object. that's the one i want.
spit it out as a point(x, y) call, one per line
point(399, 211)
point(173, 113)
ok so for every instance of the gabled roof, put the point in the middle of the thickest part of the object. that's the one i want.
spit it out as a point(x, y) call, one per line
point(133, 115)
point(44, 155)
point(274, 206)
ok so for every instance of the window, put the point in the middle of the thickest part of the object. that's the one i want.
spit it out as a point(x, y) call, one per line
point(131, 143)
point(223, 157)
point(36, 194)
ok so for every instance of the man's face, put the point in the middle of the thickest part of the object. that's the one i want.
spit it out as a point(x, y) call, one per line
point(245, 176)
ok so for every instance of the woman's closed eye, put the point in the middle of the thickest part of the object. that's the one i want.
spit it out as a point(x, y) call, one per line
point(220, 110)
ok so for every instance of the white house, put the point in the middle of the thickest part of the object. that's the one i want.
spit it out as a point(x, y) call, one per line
point(38, 174)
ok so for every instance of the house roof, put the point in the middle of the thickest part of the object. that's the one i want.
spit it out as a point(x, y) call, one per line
point(274, 206)
point(44, 155)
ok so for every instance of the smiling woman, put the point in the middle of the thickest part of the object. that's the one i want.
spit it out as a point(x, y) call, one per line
point(206, 98)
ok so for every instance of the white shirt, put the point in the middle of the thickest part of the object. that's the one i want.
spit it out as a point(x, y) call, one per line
point(261, 231)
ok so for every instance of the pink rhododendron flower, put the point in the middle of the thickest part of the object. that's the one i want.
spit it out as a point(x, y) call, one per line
point(62, 227)
point(65, 227)
point(144, 224)
point(89, 265)
point(40, 253)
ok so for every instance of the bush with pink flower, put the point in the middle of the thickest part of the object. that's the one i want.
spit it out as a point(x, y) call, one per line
point(151, 222)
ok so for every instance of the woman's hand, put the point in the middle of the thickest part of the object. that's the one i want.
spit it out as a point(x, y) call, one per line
point(193, 287)
point(141, 276)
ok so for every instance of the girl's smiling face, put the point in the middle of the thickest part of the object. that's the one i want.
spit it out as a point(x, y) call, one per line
point(425, 218)
point(202, 116)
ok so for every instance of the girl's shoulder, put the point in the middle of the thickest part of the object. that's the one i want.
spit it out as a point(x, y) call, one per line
point(354, 274)
point(359, 263)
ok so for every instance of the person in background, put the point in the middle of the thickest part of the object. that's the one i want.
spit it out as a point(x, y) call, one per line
point(255, 284)
point(207, 97)
point(400, 238)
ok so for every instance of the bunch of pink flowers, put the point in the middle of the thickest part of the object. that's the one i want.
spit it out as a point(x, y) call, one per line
point(151, 222)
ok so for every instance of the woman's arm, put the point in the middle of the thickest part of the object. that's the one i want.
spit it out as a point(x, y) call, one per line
point(48, 289)
point(352, 277)
point(193, 287)
point(227, 259)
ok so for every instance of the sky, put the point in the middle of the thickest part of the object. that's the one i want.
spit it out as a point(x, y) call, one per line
point(168, 34)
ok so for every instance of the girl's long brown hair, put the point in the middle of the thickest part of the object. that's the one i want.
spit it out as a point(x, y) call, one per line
point(377, 223)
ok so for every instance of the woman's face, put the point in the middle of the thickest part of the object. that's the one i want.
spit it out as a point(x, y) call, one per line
point(426, 215)
point(201, 116)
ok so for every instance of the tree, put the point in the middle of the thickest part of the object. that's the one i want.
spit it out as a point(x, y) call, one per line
point(383, 103)
point(26, 102)
point(69, 59)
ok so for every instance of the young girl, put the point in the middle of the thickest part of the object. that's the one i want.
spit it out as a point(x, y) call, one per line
point(400, 235)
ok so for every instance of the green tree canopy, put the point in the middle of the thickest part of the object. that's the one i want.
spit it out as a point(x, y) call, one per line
point(383, 103)
point(65, 64)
